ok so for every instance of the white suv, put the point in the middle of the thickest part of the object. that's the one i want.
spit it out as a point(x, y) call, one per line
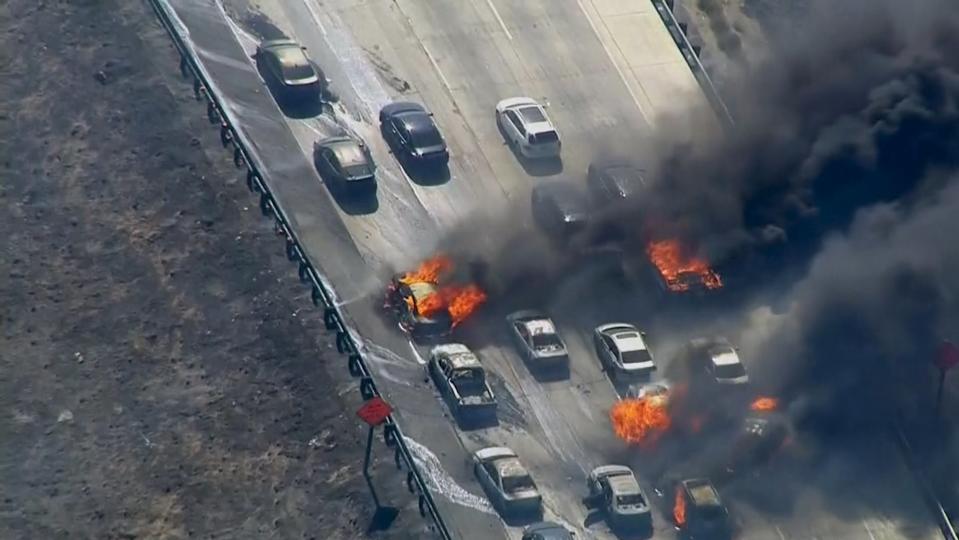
point(528, 128)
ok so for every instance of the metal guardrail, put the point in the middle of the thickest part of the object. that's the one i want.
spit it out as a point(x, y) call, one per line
point(332, 318)
point(665, 10)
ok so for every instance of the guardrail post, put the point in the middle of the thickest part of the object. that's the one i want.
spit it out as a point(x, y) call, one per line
point(265, 204)
point(366, 388)
point(238, 158)
point(252, 181)
point(184, 67)
point(355, 366)
point(226, 137)
point(304, 272)
point(198, 89)
point(292, 253)
point(343, 342)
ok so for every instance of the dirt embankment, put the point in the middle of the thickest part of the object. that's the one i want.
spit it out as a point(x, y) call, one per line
point(162, 374)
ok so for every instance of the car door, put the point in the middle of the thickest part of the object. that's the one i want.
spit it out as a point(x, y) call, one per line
point(444, 382)
point(612, 351)
point(485, 473)
point(402, 140)
point(515, 128)
point(522, 339)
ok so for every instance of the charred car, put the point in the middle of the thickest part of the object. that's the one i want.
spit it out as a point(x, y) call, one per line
point(461, 380)
point(698, 512)
point(507, 483)
point(537, 340)
point(418, 308)
point(293, 77)
point(614, 490)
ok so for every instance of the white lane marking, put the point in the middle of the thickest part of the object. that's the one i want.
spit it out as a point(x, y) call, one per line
point(439, 481)
point(436, 66)
point(609, 53)
point(865, 525)
point(499, 19)
point(780, 533)
point(315, 15)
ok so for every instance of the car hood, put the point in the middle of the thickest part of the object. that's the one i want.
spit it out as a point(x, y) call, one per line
point(523, 495)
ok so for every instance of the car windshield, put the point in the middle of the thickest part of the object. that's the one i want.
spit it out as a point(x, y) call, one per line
point(546, 341)
point(544, 137)
point(636, 357)
point(423, 138)
point(634, 499)
point(730, 371)
point(357, 171)
point(512, 484)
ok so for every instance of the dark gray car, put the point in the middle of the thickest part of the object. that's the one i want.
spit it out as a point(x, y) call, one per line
point(410, 131)
point(546, 530)
point(345, 164)
point(289, 72)
point(559, 208)
point(612, 181)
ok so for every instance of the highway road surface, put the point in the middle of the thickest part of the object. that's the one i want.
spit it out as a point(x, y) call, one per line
point(611, 76)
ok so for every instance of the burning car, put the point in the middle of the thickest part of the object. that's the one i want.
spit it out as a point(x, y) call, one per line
point(427, 309)
point(698, 512)
point(676, 271)
point(614, 489)
point(623, 351)
point(461, 380)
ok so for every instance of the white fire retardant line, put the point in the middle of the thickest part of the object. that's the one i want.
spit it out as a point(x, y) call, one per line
point(499, 19)
point(439, 482)
point(612, 60)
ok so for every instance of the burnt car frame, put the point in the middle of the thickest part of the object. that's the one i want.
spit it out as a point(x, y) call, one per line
point(461, 380)
point(290, 73)
point(346, 165)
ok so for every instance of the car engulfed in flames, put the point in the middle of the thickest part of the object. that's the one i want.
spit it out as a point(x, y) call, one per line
point(641, 420)
point(426, 306)
point(679, 271)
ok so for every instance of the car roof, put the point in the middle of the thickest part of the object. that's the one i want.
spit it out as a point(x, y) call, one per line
point(625, 177)
point(416, 121)
point(421, 289)
point(702, 493)
point(464, 360)
point(539, 326)
point(724, 356)
point(287, 52)
point(568, 198)
point(348, 151)
point(627, 338)
point(510, 466)
point(623, 484)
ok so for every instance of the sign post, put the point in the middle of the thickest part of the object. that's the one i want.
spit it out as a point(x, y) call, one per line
point(947, 359)
point(374, 412)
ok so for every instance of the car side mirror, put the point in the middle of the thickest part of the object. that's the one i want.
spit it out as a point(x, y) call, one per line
point(302, 47)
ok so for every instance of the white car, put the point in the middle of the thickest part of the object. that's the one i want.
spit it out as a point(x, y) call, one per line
point(537, 340)
point(623, 351)
point(506, 482)
point(528, 128)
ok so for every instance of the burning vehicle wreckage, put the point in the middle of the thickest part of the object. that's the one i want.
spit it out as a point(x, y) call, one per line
point(690, 444)
point(426, 305)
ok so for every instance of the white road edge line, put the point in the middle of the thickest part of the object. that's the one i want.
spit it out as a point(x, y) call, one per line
point(612, 59)
point(499, 19)
point(868, 530)
point(780, 532)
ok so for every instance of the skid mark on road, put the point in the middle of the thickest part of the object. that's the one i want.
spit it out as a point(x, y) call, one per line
point(440, 482)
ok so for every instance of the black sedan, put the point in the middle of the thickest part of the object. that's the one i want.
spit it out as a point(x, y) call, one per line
point(410, 131)
point(613, 181)
point(345, 164)
point(559, 208)
point(288, 71)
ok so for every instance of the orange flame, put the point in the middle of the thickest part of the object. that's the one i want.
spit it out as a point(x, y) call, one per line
point(462, 301)
point(679, 509)
point(640, 421)
point(429, 270)
point(673, 265)
point(764, 404)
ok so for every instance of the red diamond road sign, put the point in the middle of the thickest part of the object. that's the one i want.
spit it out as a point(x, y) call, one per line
point(374, 411)
point(948, 356)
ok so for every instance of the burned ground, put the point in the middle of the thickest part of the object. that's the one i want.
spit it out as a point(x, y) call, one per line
point(162, 374)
